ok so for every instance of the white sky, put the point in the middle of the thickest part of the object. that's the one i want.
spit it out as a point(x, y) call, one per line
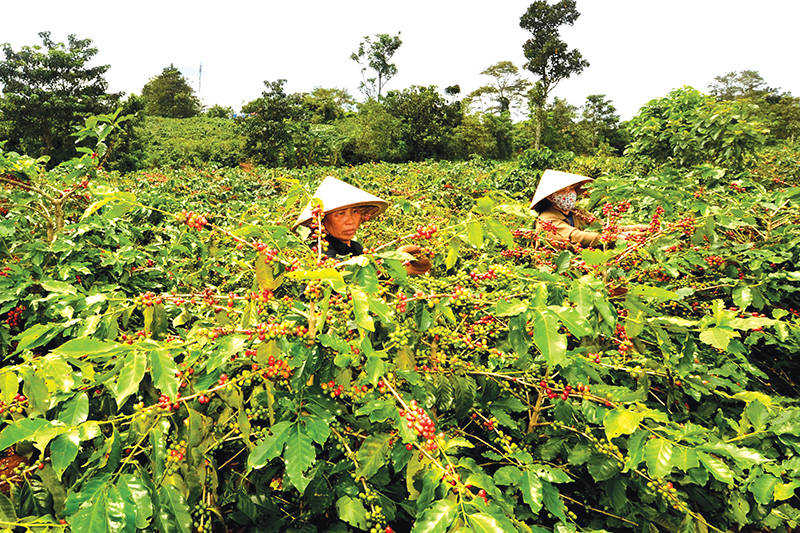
point(637, 49)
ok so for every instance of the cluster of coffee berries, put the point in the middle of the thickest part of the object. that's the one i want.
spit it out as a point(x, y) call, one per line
point(421, 424)
point(425, 232)
point(277, 368)
point(15, 316)
point(165, 404)
point(201, 517)
point(402, 303)
point(175, 454)
point(332, 389)
point(17, 405)
point(313, 290)
point(488, 423)
point(269, 254)
point(667, 491)
point(460, 295)
point(13, 466)
point(191, 219)
point(715, 261)
point(551, 394)
point(685, 225)
point(376, 521)
point(402, 334)
point(130, 339)
point(148, 299)
point(4, 272)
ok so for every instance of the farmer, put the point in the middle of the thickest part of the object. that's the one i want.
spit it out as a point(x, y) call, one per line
point(345, 208)
point(555, 199)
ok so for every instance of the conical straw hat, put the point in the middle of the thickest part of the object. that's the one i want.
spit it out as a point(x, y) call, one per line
point(553, 181)
point(336, 194)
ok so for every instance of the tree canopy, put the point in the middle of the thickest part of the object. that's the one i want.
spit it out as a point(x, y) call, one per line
point(170, 95)
point(375, 55)
point(736, 85)
point(48, 91)
point(548, 56)
point(507, 91)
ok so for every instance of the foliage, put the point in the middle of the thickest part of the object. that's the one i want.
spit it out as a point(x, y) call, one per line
point(326, 106)
point(218, 111)
point(561, 132)
point(127, 141)
point(779, 111)
point(485, 135)
point(600, 118)
point(38, 201)
point(169, 95)
point(783, 118)
point(376, 56)
point(178, 360)
point(738, 85)
point(522, 180)
point(507, 91)
point(195, 141)
point(48, 91)
point(427, 121)
point(687, 128)
point(373, 134)
point(548, 56)
point(266, 125)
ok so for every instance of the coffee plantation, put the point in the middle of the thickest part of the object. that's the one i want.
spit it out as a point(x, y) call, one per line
point(176, 359)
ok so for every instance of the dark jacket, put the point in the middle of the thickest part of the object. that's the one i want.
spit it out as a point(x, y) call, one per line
point(338, 248)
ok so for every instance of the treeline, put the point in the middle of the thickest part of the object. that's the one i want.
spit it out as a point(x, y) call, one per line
point(168, 126)
point(328, 127)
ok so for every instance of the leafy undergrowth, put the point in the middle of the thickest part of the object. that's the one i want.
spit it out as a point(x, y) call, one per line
point(177, 359)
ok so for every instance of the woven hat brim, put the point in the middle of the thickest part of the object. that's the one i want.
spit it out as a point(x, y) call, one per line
point(336, 194)
point(553, 181)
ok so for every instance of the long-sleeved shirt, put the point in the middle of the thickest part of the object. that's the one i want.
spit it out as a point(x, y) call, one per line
point(565, 231)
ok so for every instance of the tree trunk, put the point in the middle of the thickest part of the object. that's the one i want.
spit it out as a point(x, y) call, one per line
point(540, 118)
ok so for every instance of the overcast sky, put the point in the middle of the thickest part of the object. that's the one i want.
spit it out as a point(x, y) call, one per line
point(637, 49)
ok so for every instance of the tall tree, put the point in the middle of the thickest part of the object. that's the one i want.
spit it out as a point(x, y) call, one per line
point(737, 85)
point(548, 56)
point(267, 124)
point(428, 121)
point(508, 89)
point(376, 56)
point(170, 95)
point(48, 91)
point(328, 105)
point(600, 118)
point(453, 91)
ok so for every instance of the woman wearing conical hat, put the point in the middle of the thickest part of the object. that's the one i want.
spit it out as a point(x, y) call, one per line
point(344, 208)
point(555, 199)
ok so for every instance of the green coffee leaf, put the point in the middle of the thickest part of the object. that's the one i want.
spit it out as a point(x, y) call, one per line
point(299, 455)
point(271, 447)
point(716, 467)
point(352, 511)
point(130, 375)
point(532, 491)
point(485, 523)
point(621, 421)
point(436, 518)
point(658, 456)
point(372, 455)
point(546, 337)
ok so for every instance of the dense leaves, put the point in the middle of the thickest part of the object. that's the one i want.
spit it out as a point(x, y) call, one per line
point(177, 359)
point(49, 90)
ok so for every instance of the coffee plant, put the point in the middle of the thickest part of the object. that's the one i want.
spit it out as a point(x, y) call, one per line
point(176, 359)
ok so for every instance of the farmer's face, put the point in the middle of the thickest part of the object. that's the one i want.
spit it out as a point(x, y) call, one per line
point(343, 223)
